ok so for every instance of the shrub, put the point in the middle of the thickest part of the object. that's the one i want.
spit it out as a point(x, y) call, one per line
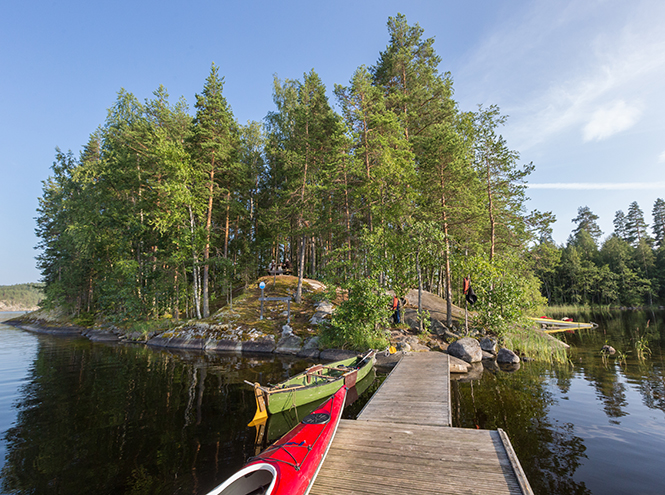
point(359, 322)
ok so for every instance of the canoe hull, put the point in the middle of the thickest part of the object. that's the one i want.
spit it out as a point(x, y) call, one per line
point(313, 384)
point(278, 424)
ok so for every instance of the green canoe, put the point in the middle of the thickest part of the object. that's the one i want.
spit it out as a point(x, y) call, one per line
point(279, 424)
point(316, 382)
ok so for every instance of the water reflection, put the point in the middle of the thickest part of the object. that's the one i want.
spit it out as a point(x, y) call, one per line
point(574, 427)
point(519, 404)
point(116, 419)
point(120, 419)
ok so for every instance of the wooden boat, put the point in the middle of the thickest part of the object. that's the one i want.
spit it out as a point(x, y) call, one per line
point(316, 382)
point(278, 424)
point(550, 325)
point(290, 465)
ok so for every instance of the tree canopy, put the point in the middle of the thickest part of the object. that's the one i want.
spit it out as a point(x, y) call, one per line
point(626, 269)
point(165, 213)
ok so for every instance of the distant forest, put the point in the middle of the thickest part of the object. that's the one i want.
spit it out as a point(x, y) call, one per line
point(626, 269)
point(21, 295)
point(165, 213)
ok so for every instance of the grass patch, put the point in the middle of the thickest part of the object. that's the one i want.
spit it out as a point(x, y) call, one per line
point(245, 312)
point(147, 326)
point(532, 343)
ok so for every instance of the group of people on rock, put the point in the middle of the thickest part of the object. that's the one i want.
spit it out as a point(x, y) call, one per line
point(279, 268)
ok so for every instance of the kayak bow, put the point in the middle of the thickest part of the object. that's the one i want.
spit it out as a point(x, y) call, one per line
point(290, 465)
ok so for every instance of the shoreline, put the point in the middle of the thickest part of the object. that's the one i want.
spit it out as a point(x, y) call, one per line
point(264, 346)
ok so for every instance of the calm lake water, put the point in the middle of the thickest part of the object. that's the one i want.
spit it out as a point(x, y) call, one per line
point(83, 417)
point(592, 426)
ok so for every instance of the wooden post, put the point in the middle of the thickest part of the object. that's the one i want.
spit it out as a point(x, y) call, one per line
point(466, 310)
point(466, 316)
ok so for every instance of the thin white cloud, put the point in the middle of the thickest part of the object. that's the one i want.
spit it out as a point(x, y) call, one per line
point(569, 65)
point(661, 157)
point(600, 186)
point(611, 119)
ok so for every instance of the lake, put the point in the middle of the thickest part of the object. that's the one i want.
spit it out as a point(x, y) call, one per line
point(78, 416)
point(592, 426)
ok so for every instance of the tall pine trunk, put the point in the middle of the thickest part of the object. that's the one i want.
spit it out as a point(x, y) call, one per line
point(195, 267)
point(449, 292)
point(491, 210)
point(226, 227)
point(206, 251)
point(301, 268)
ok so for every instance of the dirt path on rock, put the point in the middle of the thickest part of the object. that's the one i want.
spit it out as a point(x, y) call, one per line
point(436, 306)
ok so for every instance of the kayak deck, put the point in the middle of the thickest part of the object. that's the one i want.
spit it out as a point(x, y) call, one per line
point(289, 466)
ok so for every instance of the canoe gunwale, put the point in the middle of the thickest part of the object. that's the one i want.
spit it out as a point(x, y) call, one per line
point(300, 394)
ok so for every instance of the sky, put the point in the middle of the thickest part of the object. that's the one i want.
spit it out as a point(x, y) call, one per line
point(582, 83)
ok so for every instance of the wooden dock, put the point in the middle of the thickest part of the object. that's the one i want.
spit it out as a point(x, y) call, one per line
point(406, 397)
point(402, 443)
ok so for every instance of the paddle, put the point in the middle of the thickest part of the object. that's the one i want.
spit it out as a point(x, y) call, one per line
point(261, 413)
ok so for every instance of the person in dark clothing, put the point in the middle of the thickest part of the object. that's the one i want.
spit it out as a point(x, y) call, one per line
point(397, 317)
point(471, 297)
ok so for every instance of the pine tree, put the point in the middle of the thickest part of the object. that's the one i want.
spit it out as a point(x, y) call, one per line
point(384, 162)
point(504, 181)
point(620, 224)
point(215, 144)
point(658, 226)
point(304, 148)
point(586, 221)
point(636, 227)
point(407, 71)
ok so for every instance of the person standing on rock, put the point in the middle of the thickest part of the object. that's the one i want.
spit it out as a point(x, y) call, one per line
point(397, 317)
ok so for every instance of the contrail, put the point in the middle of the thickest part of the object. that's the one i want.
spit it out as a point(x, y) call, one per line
point(606, 186)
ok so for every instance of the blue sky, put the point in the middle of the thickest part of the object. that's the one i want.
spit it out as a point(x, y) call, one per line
point(581, 81)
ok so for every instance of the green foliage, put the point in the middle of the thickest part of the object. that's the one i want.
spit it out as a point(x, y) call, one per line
point(641, 343)
point(620, 358)
point(586, 222)
point(84, 319)
point(506, 291)
point(658, 225)
point(360, 320)
point(22, 295)
point(626, 271)
point(425, 320)
point(167, 213)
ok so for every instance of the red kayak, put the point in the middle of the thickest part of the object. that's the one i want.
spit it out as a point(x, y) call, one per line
point(290, 465)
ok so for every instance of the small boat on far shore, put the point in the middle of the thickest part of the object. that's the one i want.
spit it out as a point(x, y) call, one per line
point(290, 465)
point(550, 325)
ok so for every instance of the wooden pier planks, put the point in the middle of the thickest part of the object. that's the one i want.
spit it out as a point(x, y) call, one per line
point(402, 443)
point(417, 391)
point(376, 457)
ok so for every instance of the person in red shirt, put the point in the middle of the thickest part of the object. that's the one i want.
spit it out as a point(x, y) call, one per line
point(397, 317)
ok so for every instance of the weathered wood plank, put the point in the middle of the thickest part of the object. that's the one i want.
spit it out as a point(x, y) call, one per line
point(408, 398)
point(403, 442)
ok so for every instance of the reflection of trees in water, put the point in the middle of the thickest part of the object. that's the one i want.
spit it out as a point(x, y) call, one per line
point(620, 329)
point(519, 403)
point(550, 452)
point(652, 389)
point(119, 419)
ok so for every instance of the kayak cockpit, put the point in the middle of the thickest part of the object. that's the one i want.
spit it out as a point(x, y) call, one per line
point(255, 479)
